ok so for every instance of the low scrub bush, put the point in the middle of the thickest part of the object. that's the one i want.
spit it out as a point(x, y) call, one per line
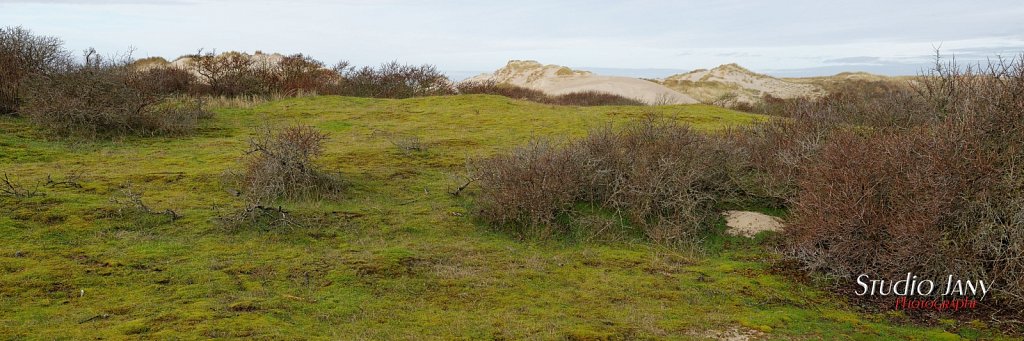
point(592, 98)
point(105, 98)
point(280, 165)
point(165, 80)
point(491, 87)
point(229, 74)
point(582, 98)
point(392, 80)
point(663, 179)
point(297, 74)
point(934, 189)
point(22, 55)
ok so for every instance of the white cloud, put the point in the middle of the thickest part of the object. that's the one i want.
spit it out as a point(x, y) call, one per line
point(478, 35)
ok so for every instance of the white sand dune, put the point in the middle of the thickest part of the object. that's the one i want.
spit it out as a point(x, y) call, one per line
point(737, 82)
point(559, 80)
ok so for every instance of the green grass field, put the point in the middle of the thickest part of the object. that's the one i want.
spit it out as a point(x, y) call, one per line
point(397, 258)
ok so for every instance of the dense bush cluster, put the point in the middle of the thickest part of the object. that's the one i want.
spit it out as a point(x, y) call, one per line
point(878, 177)
point(885, 180)
point(99, 97)
point(937, 191)
point(236, 74)
point(659, 177)
point(392, 80)
point(582, 98)
point(22, 55)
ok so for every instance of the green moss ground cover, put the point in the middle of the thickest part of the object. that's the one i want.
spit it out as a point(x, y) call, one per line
point(398, 258)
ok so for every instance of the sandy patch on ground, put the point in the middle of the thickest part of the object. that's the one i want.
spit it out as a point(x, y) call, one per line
point(748, 224)
point(733, 334)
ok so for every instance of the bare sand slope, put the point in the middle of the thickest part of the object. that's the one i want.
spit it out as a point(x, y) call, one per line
point(559, 80)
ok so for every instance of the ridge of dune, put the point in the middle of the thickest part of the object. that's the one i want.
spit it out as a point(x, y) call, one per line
point(559, 80)
point(736, 83)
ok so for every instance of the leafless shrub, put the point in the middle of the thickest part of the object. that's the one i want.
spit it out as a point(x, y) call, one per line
point(460, 183)
point(491, 87)
point(527, 189)
point(17, 190)
point(876, 104)
point(280, 165)
point(405, 143)
point(23, 54)
point(105, 98)
point(726, 100)
point(228, 74)
point(129, 199)
point(392, 80)
point(662, 178)
point(303, 74)
point(662, 99)
point(71, 180)
point(255, 214)
point(592, 98)
point(582, 98)
point(165, 80)
point(943, 177)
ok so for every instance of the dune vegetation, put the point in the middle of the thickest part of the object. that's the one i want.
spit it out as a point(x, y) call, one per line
point(396, 257)
point(229, 196)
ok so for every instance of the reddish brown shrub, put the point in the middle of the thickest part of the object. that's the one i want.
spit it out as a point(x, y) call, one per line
point(528, 188)
point(230, 74)
point(280, 164)
point(583, 98)
point(494, 88)
point(105, 98)
point(662, 178)
point(299, 73)
point(165, 80)
point(592, 98)
point(393, 80)
point(23, 54)
point(935, 192)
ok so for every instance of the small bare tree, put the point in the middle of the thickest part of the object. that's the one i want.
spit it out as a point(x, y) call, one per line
point(23, 54)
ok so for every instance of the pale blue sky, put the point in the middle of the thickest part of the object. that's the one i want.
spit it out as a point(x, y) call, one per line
point(462, 37)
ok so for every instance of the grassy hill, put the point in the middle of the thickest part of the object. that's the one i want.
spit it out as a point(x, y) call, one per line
point(397, 258)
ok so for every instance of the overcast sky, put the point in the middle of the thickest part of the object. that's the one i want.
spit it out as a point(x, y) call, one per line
point(463, 37)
